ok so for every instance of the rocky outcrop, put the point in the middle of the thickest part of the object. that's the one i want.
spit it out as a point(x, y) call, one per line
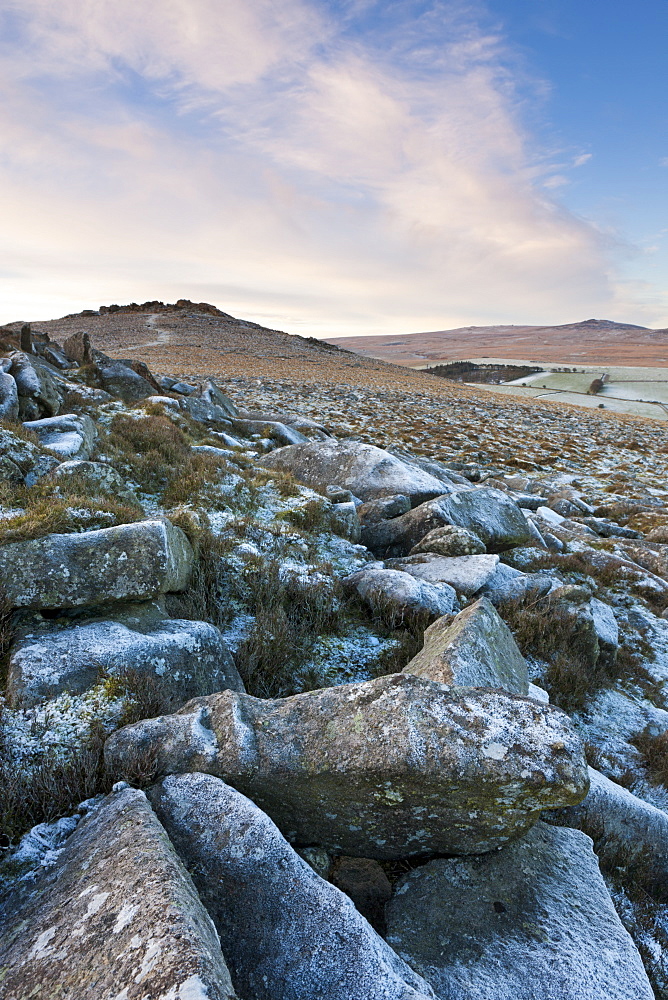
point(368, 472)
point(400, 595)
point(117, 915)
point(120, 380)
point(9, 397)
point(533, 921)
point(477, 649)
point(70, 435)
point(186, 658)
point(128, 562)
point(387, 768)
point(486, 513)
point(284, 931)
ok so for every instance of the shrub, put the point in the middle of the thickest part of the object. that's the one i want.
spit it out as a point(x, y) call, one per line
point(654, 752)
point(547, 630)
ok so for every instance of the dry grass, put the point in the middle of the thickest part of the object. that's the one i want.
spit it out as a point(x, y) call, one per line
point(57, 783)
point(654, 752)
point(546, 630)
point(157, 454)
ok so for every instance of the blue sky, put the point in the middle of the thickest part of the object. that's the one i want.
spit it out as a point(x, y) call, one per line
point(336, 168)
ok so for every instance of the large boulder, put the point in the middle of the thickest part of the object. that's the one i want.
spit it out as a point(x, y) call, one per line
point(510, 584)
point(365, 470)
point(490, 515)
point(37, 389)
point(70, 435)
point(467, 574)
point(284, 931)
point(477, 649)
point(531, 922)
point(388, 768)
point(400, 595)
point(117, 916)
point(186, 658)
point(120, 380)
point(127, 562)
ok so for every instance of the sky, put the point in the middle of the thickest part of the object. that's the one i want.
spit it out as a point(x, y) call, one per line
point(337, 168)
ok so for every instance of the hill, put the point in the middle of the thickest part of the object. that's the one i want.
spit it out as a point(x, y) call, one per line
point(592, 341)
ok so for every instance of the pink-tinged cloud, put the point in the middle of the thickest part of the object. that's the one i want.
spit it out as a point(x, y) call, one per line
point(268, 159)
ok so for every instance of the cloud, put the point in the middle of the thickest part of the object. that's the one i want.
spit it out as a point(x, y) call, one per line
point(325, 168)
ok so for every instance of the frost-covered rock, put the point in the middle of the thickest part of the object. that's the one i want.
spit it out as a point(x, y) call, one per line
point(22, 461)
point(116, 917)
point(533, 921)
point(401, 594)
point(375, 511)
point(70, 435)
point(607, 629)
point(96, 477)
point(477, 649)
point(508, 584)
point(284, 931)
point(273, 429)
point(450, 541)
point(367, 471)
point(37, 389)
point(487, 514)
point(624, 828)
point(211, 394)
point(9, 397)
point(344, 520)
point(127, 562)
point(467, 574)
point(387, 768)
point(189, 658)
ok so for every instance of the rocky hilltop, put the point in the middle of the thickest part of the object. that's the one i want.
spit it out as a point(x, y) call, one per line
point(347, 685)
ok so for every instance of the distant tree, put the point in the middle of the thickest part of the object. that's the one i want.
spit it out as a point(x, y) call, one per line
point(595, 387)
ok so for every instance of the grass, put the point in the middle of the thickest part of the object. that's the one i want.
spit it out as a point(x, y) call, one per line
point(158, 455)
point(547, 630)
point(653, 749)
point(55, 784)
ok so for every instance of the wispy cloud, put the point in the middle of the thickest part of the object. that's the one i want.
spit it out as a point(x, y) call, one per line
point(283, 160)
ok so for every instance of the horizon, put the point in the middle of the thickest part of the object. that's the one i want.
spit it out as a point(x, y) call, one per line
point(336, 169)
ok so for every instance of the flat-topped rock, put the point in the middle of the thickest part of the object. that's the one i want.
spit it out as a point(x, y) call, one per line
point(533, 921)
point(391, 767)
point(116, 917)
point(285, 932)
point(70, 435)
point(467, 574)
point(127, 562)
point(187, 658)
point(477, 649)
point(367, 471)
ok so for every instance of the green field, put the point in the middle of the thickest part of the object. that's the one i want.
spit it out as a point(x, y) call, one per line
point(639, 391)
